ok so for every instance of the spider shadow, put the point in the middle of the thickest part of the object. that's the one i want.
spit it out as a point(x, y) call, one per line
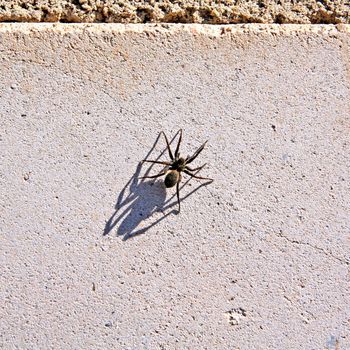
point(139, 200)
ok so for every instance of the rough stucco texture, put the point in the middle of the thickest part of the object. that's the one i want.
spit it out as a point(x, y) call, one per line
point(182, 11)
point(92, 257)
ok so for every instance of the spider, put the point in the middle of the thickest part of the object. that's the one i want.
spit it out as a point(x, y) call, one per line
point(176, 166)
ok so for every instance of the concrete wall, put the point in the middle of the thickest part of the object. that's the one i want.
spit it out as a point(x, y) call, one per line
point(93, 257)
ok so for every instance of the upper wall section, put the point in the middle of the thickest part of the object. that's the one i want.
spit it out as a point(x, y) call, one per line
point(180, 11)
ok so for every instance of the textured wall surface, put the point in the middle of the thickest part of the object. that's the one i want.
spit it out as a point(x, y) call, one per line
point(92, 257)
point(179, 11)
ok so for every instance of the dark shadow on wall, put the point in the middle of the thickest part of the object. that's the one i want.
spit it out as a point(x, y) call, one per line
point(140, 199)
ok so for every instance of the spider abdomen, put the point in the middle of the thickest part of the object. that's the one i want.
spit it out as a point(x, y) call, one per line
point(172, 178)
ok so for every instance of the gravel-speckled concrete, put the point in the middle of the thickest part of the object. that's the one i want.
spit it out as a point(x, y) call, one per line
point(259, 259)
point(179, 11)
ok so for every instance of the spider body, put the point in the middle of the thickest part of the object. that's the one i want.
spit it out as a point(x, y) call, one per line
point(174, 174)
point(172, 178)
point(176, 166)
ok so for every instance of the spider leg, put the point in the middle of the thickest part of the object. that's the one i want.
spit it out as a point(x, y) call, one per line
point(178, 194)
point(196, 169)
point(195, 154)
point(197, 177)
point(156, 162)
point(168, 146)
point(178, 145)
point(152, 176)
